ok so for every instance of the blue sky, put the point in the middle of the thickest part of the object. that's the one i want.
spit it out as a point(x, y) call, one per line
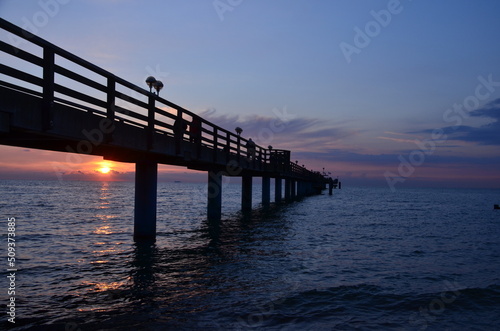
point(356, 114)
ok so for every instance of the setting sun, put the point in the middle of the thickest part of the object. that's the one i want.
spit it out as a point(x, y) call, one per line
point(104, 170)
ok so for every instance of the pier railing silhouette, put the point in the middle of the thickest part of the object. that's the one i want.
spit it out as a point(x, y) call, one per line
point(75, 106)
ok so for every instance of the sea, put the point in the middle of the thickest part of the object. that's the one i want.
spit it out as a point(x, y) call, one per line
point(363, 258)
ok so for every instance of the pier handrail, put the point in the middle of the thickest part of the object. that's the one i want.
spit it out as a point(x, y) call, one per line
point(121, 99)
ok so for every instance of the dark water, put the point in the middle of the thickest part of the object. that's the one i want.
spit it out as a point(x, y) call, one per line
point(362, 259)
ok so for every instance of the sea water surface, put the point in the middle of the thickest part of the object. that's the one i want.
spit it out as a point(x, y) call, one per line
point(361, 259)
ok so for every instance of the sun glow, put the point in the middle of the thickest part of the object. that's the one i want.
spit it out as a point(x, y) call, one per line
point(104, 170)
point(104, 167)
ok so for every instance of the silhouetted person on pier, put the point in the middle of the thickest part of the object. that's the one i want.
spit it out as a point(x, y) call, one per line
point(250, 149)
point(180, 127)
point(195, 130)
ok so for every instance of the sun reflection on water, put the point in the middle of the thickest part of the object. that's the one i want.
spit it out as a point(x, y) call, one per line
point(103, 229)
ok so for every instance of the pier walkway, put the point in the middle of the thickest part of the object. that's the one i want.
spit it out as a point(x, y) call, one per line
point(47, 103)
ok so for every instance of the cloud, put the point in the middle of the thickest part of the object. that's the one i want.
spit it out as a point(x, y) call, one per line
point(284, 130)
point(487, 134)
point(399, 140)
point(391, 160)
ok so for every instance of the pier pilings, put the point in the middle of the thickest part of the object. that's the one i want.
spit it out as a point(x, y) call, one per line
point(246, 193)
point(277, 189)
point(214, 196)
point(146, 178)
point(266, 191)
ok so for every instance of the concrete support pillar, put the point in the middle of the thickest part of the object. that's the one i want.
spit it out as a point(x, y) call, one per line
point(287, 189)
point(293, 191)
point(214, 195)
point(277, 189)
point(146, 181)
point(310, 189)
point(246, 193)
point(266, 191)
point(300, 188)
point(330, 187)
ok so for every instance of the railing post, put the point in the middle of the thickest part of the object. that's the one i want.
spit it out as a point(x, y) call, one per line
point(151, 121)
point(110, 113)
point(266, 191)
point(238, 148)
point(179, 129)
point(110, 102)
point(215, 133)
point(228, 146)
point(48, 88)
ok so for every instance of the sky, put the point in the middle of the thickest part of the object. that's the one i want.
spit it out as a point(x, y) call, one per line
point(395, 93)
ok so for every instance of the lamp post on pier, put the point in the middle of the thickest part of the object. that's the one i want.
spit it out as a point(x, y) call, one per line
point(152, 82)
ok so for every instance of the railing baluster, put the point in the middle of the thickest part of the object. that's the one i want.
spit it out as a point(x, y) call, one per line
point(228, 147)
point(238, 148)
point(110, 94)
point(48, 87)
point(151, 121)
point(216, 148)
point(179, 132)
point(110, 106)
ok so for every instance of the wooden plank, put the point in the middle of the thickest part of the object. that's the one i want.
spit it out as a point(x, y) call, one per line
point(134, 101)
point(165, 113)
point(80, 106)
point(8, 71)
point(20, 88)
point(79, 78)
point(19, 53)
point(132, 114)
point(80, 96)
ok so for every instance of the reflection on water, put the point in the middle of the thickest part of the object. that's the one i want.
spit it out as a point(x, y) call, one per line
point(101, 287)
point(103, 229)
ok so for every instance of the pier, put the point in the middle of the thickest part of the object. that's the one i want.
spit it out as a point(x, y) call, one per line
point(120, 121)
